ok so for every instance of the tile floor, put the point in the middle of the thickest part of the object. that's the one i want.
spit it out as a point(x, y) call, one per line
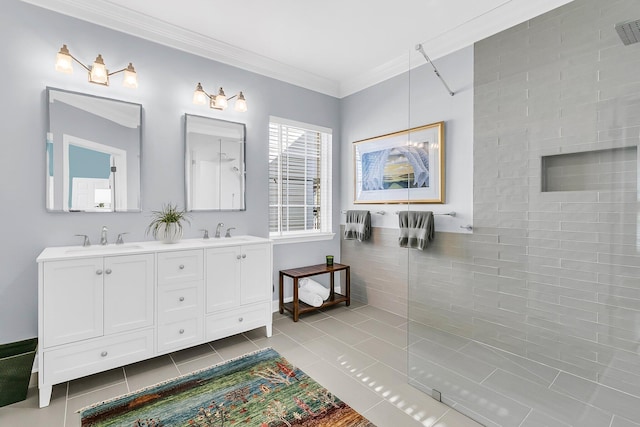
point(357, 352)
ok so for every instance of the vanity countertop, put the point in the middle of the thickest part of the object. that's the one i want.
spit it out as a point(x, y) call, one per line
point(54, 253)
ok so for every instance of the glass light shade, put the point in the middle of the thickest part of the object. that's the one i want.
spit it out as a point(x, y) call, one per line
point(64, 62)
point(130, 77)
point(241, 104)
point(199, 97)
point(221, 100)
point(98, 73)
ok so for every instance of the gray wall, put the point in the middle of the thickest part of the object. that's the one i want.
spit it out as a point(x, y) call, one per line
point(533, 319)
point(379, 266)
point(167, 78)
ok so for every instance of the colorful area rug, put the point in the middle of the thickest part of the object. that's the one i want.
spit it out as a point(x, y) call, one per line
point(259, 389)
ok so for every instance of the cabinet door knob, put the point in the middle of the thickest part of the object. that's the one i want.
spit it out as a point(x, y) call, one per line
point(244, 255)
point(104, 354)
point(240, 319)
point(181, 267)
point(181, 299)
point(98, 272)
point(108, 271)
point(238, 257)
point(181, 331)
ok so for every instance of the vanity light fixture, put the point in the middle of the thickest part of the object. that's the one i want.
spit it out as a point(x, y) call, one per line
point(98, 72)
point(219, 101)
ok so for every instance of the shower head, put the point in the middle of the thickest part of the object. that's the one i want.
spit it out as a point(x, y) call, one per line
point(629, 31)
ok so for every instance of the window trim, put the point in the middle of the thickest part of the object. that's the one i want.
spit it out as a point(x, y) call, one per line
point(302, 237)
point(310, 235)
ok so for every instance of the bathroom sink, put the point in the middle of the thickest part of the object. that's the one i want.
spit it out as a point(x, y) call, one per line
point(237, 239)
point(227, 240)
point(99, 249)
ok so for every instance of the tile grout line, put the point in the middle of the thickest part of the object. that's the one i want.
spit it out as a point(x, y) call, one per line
point(526, 416)
point(126, 381)
point(98, 388)
point(373, 406)
point(175, 364)
point(560, 392)
point(487, 377)
point(449, 409)
point(66, 406)
point(554, 380)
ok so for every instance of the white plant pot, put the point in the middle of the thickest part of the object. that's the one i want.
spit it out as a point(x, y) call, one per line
point(169, 233)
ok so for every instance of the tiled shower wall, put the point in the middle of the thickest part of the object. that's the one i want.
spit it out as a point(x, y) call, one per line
point(378, 269)
point(559, 272)
point(534, 319)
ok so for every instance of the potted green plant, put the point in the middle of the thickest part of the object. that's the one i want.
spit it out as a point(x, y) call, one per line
point(166, 224)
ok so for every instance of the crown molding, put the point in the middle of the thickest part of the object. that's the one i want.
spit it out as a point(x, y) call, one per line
point(106, 14)
point(375, 75)
point(504, 16)
point(103, 13)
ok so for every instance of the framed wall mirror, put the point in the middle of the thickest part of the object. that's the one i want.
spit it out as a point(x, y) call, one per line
point(214, 164)
point(93, 152)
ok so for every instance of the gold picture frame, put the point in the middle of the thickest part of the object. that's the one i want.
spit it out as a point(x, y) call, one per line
point(401, 167)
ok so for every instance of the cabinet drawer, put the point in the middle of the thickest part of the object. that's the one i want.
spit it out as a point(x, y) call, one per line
point(98, 355)
point(182, 300)
point(173, 335)
point(180, 266)
point(236, 321)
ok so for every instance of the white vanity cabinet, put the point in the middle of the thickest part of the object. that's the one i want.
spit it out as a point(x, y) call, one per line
point(237, 299)
point(104, 307)
point(180, 299)
point(91, 297)
point(74, 301)
point(88, 307)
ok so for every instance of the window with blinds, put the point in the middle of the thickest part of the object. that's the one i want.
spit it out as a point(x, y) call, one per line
point(299, 178)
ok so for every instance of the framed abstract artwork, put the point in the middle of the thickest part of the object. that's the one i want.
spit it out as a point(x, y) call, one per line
point(401, 167)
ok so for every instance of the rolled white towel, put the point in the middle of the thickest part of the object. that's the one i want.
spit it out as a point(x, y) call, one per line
point(315, 287)
point(308, 297)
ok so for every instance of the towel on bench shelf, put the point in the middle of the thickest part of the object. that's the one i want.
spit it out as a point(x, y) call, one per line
point(314, 287)
point(416, 229)
point(308, 297)
point(358, 225)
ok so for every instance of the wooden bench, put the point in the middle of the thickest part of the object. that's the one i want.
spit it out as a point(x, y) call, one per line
point(297, 307)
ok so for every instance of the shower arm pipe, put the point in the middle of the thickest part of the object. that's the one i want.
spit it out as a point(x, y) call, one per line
point(435, 70)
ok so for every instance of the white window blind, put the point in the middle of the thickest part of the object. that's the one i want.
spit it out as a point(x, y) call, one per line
point(299, 178)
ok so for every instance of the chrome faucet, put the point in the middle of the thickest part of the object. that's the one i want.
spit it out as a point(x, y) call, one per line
point(220, 224)
point(229, 231)
point(103, 236)
point(86, 241)
point(120, 240)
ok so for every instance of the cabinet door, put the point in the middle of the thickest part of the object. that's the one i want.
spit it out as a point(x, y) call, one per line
point(72, 300)
point(256, 274)
point(223, 278)
point(128, 292)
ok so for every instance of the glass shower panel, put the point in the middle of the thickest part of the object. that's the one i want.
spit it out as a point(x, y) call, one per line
point(533, 318)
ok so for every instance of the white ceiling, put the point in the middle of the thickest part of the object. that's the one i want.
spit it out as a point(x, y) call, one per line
point(335, 47)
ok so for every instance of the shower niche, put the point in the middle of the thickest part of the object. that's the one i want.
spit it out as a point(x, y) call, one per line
point(214, 164)
point(597, 170)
